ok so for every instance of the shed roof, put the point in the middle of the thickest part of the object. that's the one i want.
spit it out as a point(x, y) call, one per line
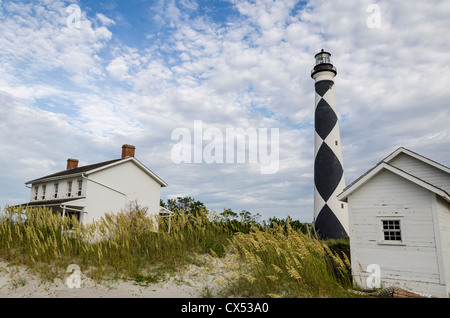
point(385, 165)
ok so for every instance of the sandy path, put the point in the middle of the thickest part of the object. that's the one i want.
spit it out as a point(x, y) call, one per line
point(19, 282)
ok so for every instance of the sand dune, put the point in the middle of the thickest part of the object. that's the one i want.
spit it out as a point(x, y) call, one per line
point(20, 282)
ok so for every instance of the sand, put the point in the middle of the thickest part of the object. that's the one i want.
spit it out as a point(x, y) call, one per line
point(193, 282)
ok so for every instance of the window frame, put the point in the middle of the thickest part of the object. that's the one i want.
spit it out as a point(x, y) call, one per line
point(44, 189)
point(36, 193)
point(391, 230)
point(69, 188)
point(381, 230)
point(55, 190)
point(80, 187)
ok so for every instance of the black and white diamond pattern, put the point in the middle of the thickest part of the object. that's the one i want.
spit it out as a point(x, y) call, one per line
point(325, 119)
point(328, 225)
point(328, 169)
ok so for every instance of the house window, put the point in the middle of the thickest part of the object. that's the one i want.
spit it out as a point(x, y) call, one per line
point(392, 230)
point(36, 190)
point(73, 214)
point(69, 188)
point(80, 187)
point(44, 187)
point(55, 190)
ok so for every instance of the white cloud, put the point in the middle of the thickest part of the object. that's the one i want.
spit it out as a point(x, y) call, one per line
point(189, 4)
point(266, 14)
point(37, 36)
point(105, 20)
point(118, 69)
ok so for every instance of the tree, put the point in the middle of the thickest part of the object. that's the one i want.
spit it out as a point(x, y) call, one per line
point(228, 214)
point(186, 205)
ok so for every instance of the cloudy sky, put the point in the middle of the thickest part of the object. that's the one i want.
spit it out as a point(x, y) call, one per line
point(80, 78)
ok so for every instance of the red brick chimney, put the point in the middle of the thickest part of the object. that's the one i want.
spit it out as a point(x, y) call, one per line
point(128, 151)
point(72, 163)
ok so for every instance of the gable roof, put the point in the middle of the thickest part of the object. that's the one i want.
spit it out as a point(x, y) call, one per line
point(385, 165)
point(413, 154)
point(94, 168)
point(75, 171)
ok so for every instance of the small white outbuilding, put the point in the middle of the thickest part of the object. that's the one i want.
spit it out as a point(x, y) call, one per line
point(399, 220)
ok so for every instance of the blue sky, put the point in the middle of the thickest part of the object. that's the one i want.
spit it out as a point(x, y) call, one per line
point(134, 71)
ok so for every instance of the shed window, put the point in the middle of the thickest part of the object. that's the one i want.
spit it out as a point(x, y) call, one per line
point(391, 230)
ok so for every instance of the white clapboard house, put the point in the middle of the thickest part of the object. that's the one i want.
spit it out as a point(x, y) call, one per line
point(88, 192)
point(399, 220)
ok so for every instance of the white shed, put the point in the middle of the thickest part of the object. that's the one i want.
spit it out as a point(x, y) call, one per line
point(399, 220)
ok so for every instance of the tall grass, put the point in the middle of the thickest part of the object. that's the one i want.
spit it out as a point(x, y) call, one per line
point(123, 244)
point(273, 261)
point(283, 262)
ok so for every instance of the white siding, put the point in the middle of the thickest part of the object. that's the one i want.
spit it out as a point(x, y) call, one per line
point(422, 171)
point(112, 189)
point(62, 189)
point(101, 200)
point(414, 263)
point(443, 211)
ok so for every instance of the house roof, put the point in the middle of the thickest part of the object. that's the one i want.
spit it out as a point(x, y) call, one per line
point(66, 201)
point(75, 171)
point(385, 165)
point(94, 168)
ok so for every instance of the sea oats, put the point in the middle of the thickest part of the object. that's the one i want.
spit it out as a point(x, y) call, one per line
point(277, 269)
point(293, 273)
point(249, 278)
point(272, 277)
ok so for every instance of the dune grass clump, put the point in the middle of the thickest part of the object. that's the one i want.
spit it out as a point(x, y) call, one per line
point(121, 245)
point(271, 261)
point(283, 262)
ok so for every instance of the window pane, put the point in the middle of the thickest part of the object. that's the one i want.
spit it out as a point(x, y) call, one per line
point(391, 230)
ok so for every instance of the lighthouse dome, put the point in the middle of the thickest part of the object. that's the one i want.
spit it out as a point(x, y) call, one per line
point(323, 63)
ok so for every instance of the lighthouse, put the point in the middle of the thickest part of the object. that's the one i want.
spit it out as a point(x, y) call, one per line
point(330, 214)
